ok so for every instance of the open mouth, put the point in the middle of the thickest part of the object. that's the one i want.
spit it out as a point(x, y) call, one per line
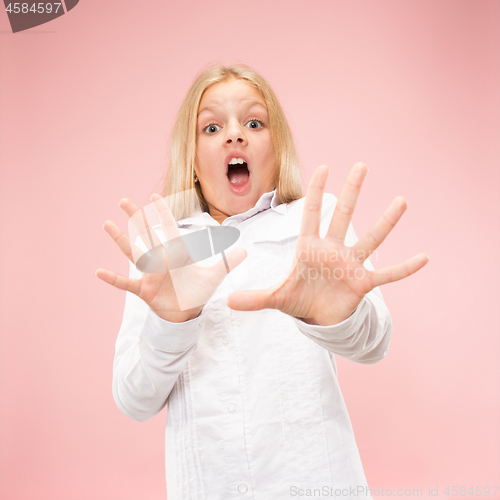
point(238, 173)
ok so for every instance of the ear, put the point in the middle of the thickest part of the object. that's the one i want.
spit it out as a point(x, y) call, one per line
point(195, 175)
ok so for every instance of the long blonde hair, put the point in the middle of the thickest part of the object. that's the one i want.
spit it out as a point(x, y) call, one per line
point(180, 175)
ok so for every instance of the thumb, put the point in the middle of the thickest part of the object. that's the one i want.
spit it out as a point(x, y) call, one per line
point(234, 258)
point(251, 300)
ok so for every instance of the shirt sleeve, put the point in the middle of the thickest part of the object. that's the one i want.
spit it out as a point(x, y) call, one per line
point(364, 337)
point(150, 353)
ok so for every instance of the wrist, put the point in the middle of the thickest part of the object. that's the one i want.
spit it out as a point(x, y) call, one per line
point(326, 320)
point(179, 316)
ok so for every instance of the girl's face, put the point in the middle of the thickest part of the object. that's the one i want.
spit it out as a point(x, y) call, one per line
point(233, 127)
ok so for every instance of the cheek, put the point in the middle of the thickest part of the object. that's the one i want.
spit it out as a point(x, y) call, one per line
point(270, 153)
point(202, 156)
point(206, 155)
point(270, 147)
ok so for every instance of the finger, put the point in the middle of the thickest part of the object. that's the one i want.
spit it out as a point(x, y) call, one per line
point(218, 272)
point(132, 252)
point(311, 218)
point(119, 281)
point(140, 223)
point(177, 253)
point(346, 203)
point(399, 271)
point(168, 223)
point(379, 231)
point(234, 258)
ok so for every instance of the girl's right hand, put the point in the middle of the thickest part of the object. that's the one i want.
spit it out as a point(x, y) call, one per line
point(157, 289)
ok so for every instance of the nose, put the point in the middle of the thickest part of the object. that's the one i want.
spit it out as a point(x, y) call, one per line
point(235, 133)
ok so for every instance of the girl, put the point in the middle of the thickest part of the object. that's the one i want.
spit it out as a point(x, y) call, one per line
point(248, 373)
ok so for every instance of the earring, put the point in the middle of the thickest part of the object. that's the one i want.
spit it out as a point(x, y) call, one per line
point(195, 178)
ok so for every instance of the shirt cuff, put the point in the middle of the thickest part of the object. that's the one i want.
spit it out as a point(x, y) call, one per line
point(340, 331)
point(171, 337)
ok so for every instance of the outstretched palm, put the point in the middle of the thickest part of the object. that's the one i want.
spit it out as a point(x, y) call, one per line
point(171, 284)
point(328, 280)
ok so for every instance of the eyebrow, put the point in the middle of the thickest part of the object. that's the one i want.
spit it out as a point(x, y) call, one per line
point(215, 106)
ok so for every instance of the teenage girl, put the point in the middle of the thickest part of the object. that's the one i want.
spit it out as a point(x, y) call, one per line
point(248, 369)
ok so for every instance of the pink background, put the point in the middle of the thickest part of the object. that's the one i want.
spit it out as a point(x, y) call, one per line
point(88, 102)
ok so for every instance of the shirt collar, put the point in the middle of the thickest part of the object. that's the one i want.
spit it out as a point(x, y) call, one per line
point(266, 201)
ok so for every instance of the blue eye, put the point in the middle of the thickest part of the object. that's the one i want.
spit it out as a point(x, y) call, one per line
point(211, 128)
point(254, 124)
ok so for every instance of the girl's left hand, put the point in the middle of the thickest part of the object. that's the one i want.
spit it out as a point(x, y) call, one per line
point(322, 290)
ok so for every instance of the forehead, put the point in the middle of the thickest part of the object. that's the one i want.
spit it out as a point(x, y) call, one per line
point(231, 94)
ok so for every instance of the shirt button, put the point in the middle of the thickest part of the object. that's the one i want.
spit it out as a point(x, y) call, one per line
point(242, 488)
point(231, 407)
point(202, 323)
point(224, 338)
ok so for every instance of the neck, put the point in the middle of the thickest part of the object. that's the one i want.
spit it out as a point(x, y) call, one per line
point(219, 216)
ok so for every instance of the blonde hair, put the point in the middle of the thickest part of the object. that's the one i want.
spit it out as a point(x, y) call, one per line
point(180, 175)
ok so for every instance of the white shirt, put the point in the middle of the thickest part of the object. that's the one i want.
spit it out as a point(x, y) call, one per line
point(255, 409)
